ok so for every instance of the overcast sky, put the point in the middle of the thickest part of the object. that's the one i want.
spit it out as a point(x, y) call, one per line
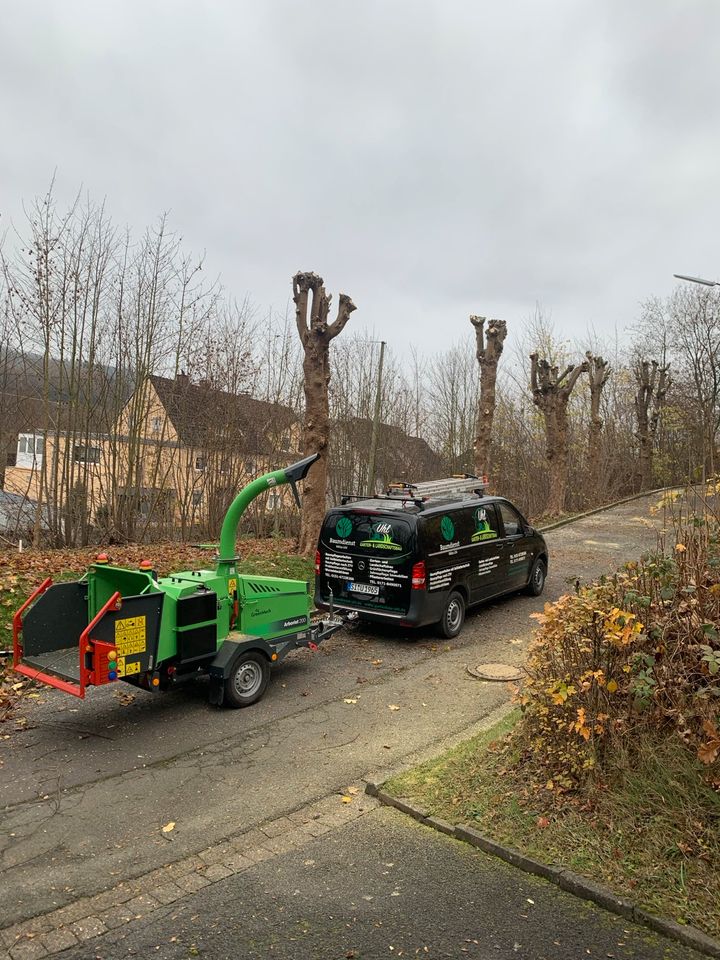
point(431, 158)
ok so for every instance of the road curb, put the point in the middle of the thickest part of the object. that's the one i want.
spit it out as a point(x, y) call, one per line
point(608, 506)
point(568, 880)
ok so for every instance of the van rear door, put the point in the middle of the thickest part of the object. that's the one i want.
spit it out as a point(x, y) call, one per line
point(366, 559)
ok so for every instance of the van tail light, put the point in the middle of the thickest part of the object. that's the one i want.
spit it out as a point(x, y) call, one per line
point(418, 576)
point(317, 562)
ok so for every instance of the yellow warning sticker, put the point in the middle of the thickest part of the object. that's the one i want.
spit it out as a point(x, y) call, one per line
point(125, 669)
point(130, 636)
point(232, 585)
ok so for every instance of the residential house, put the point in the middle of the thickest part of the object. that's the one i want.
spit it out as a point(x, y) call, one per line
point(176, 455)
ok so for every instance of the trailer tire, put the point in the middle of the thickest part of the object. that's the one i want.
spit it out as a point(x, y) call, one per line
point(248, 679)
point(453, 616)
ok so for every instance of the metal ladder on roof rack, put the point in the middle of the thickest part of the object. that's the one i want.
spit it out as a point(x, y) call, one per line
point(427, 490)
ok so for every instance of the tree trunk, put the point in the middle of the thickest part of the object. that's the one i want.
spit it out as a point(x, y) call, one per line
point(653, 382)
point(316, 336)
point(489, 346)
point(557, 455)
point(316, 436)
point(599, 371)
point(551, 392)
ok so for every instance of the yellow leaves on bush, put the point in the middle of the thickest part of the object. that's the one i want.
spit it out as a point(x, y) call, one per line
point(629, 654)
point(622, 627)
point(559, 693)
point(580, 726)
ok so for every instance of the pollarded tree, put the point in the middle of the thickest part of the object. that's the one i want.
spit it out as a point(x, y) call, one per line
point(489, 346)
point(653, 382)
point(599, 372)
point(551, 392)
point(316, 334)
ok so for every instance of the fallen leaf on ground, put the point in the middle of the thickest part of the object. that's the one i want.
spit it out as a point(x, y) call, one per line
point(346, 799)
point(349, 700)
point(168, 827)
point(394, 706)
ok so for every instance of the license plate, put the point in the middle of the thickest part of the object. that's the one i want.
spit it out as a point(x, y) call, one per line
point(368, 588)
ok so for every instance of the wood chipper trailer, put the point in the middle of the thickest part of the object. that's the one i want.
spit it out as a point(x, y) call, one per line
point(121, 624)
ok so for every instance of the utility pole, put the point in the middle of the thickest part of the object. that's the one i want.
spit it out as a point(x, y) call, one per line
point(376, 424)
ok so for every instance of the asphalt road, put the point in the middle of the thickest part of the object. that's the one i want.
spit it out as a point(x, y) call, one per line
point(86, 786)
point(383, 887)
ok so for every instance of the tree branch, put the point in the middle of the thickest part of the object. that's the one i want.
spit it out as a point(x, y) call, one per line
point(345, 308)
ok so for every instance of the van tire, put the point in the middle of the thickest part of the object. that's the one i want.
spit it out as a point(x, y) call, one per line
point(248, 679)
point(453, 616)
point(536, 583)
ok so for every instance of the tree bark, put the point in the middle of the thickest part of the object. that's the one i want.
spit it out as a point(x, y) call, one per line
point(599, 372)
point(315, 336)
point(551, 392)
point(653, 383)
point(489, 346)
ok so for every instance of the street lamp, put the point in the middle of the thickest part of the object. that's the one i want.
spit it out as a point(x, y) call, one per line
point(705, 283)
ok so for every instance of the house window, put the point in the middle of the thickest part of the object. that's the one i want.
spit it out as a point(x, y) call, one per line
point(224, 465)
point(156, 424)
point(199, 463)
point(273, 500)
point(30, 450)
point(83, 454)
point(197, 498)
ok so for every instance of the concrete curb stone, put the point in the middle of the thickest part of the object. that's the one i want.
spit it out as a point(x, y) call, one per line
point(442, 826)
point(567, 880)
point(508, 854)
point(590, 890)
point(404, 806)
point(689, 936)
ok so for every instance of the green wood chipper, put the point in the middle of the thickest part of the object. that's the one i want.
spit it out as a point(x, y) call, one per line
point(131, 625)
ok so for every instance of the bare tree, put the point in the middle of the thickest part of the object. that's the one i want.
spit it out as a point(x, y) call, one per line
point(653, 382)
point(453, 389)
point(316, 336)
point(551, 392)
point(599, 372)
point(489, 346)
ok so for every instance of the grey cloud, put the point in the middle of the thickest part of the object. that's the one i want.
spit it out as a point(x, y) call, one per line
point(430, 158)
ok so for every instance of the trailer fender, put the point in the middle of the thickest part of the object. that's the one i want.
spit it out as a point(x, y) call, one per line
point(224, 661)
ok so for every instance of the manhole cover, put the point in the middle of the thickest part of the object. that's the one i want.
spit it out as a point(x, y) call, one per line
point(496, 671)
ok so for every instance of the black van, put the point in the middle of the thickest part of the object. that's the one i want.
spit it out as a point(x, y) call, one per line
point(423, 559)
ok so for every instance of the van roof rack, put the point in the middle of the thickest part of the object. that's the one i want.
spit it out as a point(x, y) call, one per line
point(457, 486)
point(422, 494)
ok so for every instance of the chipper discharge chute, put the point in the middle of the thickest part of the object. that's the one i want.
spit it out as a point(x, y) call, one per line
point(131, 625)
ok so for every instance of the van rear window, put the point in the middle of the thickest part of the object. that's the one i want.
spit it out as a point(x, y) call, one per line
point(376, 534)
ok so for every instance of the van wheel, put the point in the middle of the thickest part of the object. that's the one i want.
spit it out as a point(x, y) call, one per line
point(248, 679)
point(536, 583)
point(453, 615)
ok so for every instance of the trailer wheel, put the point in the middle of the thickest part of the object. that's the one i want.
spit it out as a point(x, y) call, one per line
point(453, 615)
point(248, 679)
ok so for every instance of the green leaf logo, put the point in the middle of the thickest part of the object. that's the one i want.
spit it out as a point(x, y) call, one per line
point(343, 528)
point(447, 528)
